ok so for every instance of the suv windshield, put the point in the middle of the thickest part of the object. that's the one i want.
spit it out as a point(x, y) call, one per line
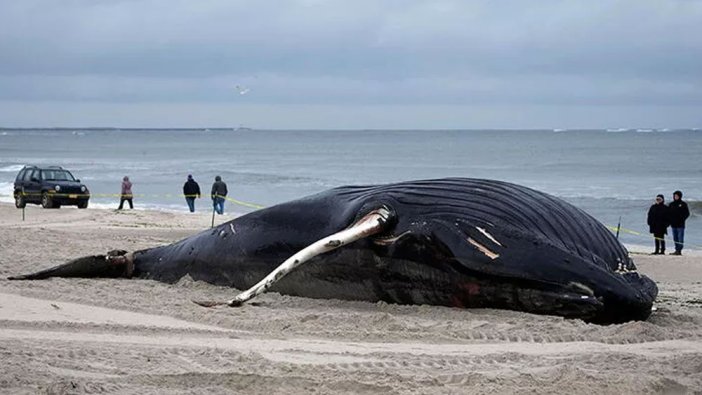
point(56, 175)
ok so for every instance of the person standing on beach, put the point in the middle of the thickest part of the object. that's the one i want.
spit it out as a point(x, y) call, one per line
point(219, 192)
point(191, 190)
point(658, 223)
point(678, 213)
point(126, 193)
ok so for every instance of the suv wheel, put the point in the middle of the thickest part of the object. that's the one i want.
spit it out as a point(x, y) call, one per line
point(83, 204)
point(19, 200)
point(46, 200)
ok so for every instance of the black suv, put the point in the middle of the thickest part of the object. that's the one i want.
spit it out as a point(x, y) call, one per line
point(50, 186)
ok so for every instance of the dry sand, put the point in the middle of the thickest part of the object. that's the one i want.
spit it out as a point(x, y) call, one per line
point(139, 336)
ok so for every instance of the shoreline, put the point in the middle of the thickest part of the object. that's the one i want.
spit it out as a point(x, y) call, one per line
point(636, 249)
point(141, 336)
point(141, 206)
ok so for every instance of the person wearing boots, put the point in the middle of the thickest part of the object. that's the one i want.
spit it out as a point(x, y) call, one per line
point(126, 194)
point(678, 212)
point(658, 223)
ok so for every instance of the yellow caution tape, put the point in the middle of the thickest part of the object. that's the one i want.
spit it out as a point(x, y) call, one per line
point(635, 233)
point(53, 193)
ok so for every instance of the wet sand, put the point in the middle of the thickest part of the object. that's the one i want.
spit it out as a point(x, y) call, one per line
point(141, 336)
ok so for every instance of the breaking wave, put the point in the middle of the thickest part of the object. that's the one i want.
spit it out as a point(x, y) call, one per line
point(11, 168)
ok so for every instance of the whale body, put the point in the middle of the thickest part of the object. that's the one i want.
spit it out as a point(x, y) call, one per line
point(460, 242)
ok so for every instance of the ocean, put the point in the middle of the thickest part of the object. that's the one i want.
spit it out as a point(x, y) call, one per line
point(608, 173)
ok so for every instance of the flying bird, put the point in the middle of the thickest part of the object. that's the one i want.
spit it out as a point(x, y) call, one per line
point(242, 89)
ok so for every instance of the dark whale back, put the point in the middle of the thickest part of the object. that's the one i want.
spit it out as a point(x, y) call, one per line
point(502, 204)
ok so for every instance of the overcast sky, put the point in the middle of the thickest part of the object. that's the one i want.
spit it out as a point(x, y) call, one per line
point(351, 64)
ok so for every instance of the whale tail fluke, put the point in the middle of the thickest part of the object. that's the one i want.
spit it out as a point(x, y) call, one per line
point(116, 263)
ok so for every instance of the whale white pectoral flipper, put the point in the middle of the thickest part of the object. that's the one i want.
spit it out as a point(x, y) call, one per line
point(371, 224)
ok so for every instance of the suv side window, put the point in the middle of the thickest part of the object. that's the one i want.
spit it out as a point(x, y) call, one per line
point(31, 174)
point(20, 176)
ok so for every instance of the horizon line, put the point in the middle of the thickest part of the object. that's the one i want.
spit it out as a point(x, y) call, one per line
point(245, 128)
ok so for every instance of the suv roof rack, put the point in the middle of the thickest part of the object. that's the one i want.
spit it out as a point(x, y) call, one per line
point(54, 167)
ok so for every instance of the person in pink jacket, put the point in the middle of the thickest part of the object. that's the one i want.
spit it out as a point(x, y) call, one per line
point(126, 193)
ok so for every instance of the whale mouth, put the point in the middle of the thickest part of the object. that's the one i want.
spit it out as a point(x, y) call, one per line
point(577, 300)
point(567, 300)
point(567, 304)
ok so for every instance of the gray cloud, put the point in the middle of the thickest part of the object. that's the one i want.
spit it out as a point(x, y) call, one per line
point(440, 54)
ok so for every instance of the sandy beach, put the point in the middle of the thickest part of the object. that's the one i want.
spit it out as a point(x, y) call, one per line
point(139, 337)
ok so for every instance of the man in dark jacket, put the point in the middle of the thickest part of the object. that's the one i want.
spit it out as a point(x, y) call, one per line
point(191, 190)
point(658, 223)
point(219, 192)
point(678, 213)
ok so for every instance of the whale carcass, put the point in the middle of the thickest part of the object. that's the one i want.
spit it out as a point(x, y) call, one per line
point(459, 242)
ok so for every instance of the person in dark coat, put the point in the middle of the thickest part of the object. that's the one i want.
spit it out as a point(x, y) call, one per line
point(658, 223)
point(219, 192)
point(191, 190)
point(678, 212)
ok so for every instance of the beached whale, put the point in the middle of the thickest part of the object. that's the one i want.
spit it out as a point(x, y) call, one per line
point(453, 242)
